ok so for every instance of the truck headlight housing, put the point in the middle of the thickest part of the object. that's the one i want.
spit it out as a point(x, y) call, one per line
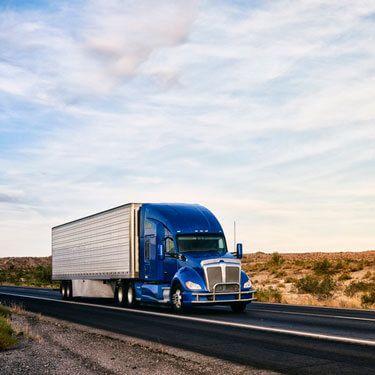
point(191, 285)
point(247, 284)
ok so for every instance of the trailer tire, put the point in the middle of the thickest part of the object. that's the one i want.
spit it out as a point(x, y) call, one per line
point(63, 290)
point(69, 290)
point(120, 295)
point(177, 299)
point(238, 307)
point(130, 296)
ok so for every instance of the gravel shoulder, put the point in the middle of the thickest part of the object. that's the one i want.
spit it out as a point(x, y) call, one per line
point(51, 346)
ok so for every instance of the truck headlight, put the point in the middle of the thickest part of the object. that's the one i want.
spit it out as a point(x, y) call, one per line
point(247, 284)
point(191, 285)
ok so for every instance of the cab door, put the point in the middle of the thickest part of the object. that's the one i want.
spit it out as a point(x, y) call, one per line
point(149, 251)
point(170, 259)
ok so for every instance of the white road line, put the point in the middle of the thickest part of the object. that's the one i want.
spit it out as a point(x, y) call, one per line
point(312, 306)
point(315, 315)
point(209, 321)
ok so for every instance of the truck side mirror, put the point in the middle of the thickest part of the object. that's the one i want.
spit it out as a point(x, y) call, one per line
point(239, 251)
point(161, 254)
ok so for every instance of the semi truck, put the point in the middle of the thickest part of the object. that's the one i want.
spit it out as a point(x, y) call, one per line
point(172, 254)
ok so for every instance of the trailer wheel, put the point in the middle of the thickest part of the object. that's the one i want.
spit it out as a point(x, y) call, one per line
point(238, 307)
point(69, 290)
point(130, 296)
point(120, 295)
point(63, 290)
point(176, 299)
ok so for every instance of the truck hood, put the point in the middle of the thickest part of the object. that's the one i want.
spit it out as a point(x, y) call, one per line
point(195, 259)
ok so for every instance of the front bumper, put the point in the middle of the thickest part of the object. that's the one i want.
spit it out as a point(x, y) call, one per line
point(220, 296)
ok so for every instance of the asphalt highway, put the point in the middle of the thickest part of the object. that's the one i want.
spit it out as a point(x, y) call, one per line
point(285, 338)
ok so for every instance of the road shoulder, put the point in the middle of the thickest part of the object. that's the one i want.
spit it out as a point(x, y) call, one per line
point(52, 346)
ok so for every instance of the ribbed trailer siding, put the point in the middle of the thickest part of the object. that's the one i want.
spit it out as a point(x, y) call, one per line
point(100, 246)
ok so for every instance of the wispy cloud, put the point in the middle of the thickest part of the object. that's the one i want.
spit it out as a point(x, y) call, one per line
point(264, 113)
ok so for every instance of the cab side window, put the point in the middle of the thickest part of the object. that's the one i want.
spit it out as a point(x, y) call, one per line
point(169, 243)
point(169, 246)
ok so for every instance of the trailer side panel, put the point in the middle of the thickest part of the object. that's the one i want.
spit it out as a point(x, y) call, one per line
point(101, 246)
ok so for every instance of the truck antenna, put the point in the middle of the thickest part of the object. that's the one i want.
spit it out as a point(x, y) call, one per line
point(234, 235)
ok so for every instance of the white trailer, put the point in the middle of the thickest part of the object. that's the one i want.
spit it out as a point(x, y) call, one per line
point(103, 246)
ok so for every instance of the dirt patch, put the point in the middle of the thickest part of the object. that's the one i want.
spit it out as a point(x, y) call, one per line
point(51, 346)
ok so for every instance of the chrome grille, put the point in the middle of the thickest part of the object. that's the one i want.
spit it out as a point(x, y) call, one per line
point(227, 288)
point(227, 275)
point(214, 276)
point(231, 274)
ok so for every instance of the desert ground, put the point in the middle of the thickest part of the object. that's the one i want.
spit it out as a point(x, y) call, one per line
point(342, 279)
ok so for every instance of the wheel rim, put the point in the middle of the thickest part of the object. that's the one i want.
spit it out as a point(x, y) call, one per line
point(130, 295)
point(120, 294)
point(177, 299)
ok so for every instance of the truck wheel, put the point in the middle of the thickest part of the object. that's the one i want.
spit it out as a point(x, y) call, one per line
point(176, 299)
point(120, 295)
point(130, 296)
point(238, 307)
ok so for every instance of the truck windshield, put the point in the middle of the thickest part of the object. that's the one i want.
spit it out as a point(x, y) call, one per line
point(201, 243)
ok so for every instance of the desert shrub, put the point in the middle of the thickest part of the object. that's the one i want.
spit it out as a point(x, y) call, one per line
point(276, 260)
point(344, 276)
point(323, 288)
point(280, 274)
point(307, 284)
point(7, 339)
point(269, 295)
point(33, 276)
point(359, 287)
point(300, 263)
point(4, 311)
point(357, 266)
point(326, 287)
point(339, 266)
point(43, 274)
point(368, 299)
point(291, 279)
point(323, 267)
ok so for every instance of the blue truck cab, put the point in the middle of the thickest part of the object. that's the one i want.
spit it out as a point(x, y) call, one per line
point(184, 260)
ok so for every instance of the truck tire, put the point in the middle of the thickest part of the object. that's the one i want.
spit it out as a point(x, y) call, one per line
point(130, 296)
point(120, 292)
point(238, 307)
point(176, 299)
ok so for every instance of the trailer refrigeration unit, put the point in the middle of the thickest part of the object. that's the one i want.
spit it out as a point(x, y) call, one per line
point(164, 253)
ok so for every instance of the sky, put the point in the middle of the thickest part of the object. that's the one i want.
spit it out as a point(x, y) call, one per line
point(262, 111)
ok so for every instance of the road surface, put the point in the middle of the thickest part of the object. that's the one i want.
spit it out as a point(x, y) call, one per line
point(285, 338)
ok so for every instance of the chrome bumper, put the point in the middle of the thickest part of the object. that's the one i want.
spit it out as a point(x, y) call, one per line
point(211, 297)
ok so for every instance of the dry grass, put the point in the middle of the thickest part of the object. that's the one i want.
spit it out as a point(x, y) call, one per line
point(25, 329)
point(344, 279)
point(7, 337)
point(19, 310)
